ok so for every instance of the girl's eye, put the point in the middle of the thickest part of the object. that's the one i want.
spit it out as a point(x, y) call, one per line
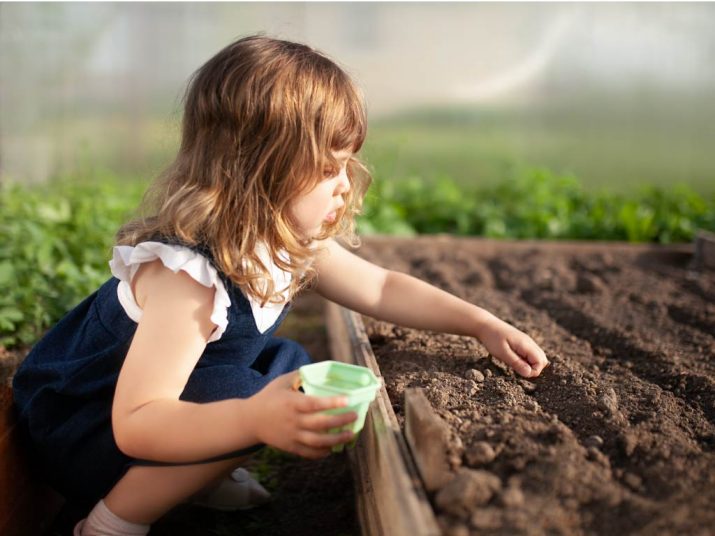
point(329, 173)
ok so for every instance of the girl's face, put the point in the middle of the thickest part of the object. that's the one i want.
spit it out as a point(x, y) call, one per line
point(316, 207)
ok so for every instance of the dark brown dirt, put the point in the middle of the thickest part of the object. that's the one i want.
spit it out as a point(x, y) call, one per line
point(617, 436)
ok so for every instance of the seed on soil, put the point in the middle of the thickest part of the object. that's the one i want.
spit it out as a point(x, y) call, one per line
point(628, 443)
point(458, 530)
point(593, 441)
point(531, 405)
point(475, 375)
point(486, 518)
point(472, 388)
point(608, 401)
point(589, 284)
point(439, 398)
point(512, 497)
point(469, 488)
point(480, 453)
point(633, 481)
point(528, 386)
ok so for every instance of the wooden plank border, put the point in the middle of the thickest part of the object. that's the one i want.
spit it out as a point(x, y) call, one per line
point(704, 250)
point(27, 505)
point(390, 494)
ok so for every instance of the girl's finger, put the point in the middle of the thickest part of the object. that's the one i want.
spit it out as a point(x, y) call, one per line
point(311, 404)
point(313, 454)
point(322, 422)
point(531, 353)
point(322, 441)
point(512, 359)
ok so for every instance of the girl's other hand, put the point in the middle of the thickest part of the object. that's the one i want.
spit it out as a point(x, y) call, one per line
point(513, 347)
point(291, 421)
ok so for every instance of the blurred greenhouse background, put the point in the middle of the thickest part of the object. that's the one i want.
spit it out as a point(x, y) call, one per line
point(617, 94)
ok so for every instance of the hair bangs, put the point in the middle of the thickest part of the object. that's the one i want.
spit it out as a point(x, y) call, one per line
point(348, 118)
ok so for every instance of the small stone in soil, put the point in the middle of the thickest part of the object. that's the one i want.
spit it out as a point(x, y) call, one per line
point(609, 401)
point(593, 441)
point(480, 453)
point(589, 284)
point(474, 375)
point(633, 481)
point(486, 518)
point(531, 405)
point(512, 497)
point(458, 530)
point(629, 443)
point(469, 488)
point(440, 398)
point(528, 386)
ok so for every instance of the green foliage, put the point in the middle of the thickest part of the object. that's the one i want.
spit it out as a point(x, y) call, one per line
point(535, 204)
point(55, 239)
point(55, 243)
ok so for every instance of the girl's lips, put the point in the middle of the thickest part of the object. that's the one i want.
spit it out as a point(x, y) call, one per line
point(330, 217)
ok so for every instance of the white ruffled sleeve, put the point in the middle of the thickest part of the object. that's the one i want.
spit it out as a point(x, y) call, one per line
point(127, 259)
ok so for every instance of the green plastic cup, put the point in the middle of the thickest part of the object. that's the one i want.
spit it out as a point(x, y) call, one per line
point(333, 378)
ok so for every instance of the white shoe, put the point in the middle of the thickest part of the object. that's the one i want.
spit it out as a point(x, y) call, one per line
point(238, 491)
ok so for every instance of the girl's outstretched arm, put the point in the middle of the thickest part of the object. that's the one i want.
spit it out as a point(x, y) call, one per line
point(402, 299)
point(150, 421)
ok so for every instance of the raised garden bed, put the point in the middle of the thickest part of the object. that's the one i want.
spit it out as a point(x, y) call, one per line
point(616, 437)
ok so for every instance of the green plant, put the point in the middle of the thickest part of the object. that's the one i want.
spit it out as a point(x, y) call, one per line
point(55, 243)
point(56, 239)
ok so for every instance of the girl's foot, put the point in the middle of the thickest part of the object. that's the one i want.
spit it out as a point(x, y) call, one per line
point(238, 491)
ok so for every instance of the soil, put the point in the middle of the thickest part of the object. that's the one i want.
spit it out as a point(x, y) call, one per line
point(617, 436)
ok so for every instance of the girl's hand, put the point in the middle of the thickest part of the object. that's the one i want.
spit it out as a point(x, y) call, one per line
point(290, 420)
point(513, 347)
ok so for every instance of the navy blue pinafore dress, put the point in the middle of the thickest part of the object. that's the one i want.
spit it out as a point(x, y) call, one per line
point(64, 388)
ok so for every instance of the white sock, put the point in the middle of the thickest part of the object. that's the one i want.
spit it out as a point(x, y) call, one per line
point(103, 522)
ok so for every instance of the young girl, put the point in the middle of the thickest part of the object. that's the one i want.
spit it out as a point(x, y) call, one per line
point(154, 389)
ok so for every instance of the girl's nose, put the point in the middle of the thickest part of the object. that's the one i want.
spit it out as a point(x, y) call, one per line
point(343, 182)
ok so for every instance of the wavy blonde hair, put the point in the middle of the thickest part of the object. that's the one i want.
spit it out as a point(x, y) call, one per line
point(261, 119)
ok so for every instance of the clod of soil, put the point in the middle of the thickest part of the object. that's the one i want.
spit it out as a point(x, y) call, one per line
point(616, 436)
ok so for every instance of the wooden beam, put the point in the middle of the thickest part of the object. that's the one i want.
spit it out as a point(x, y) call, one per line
point(705, 250)
point(391, 497)
point(27, 505)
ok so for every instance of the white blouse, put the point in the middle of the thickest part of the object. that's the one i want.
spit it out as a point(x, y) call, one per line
point(127, 259)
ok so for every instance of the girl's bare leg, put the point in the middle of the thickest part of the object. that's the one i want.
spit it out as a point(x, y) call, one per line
point(146, 493)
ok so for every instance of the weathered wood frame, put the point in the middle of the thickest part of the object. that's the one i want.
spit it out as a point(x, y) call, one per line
point(390, 494)
point(27, 506)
